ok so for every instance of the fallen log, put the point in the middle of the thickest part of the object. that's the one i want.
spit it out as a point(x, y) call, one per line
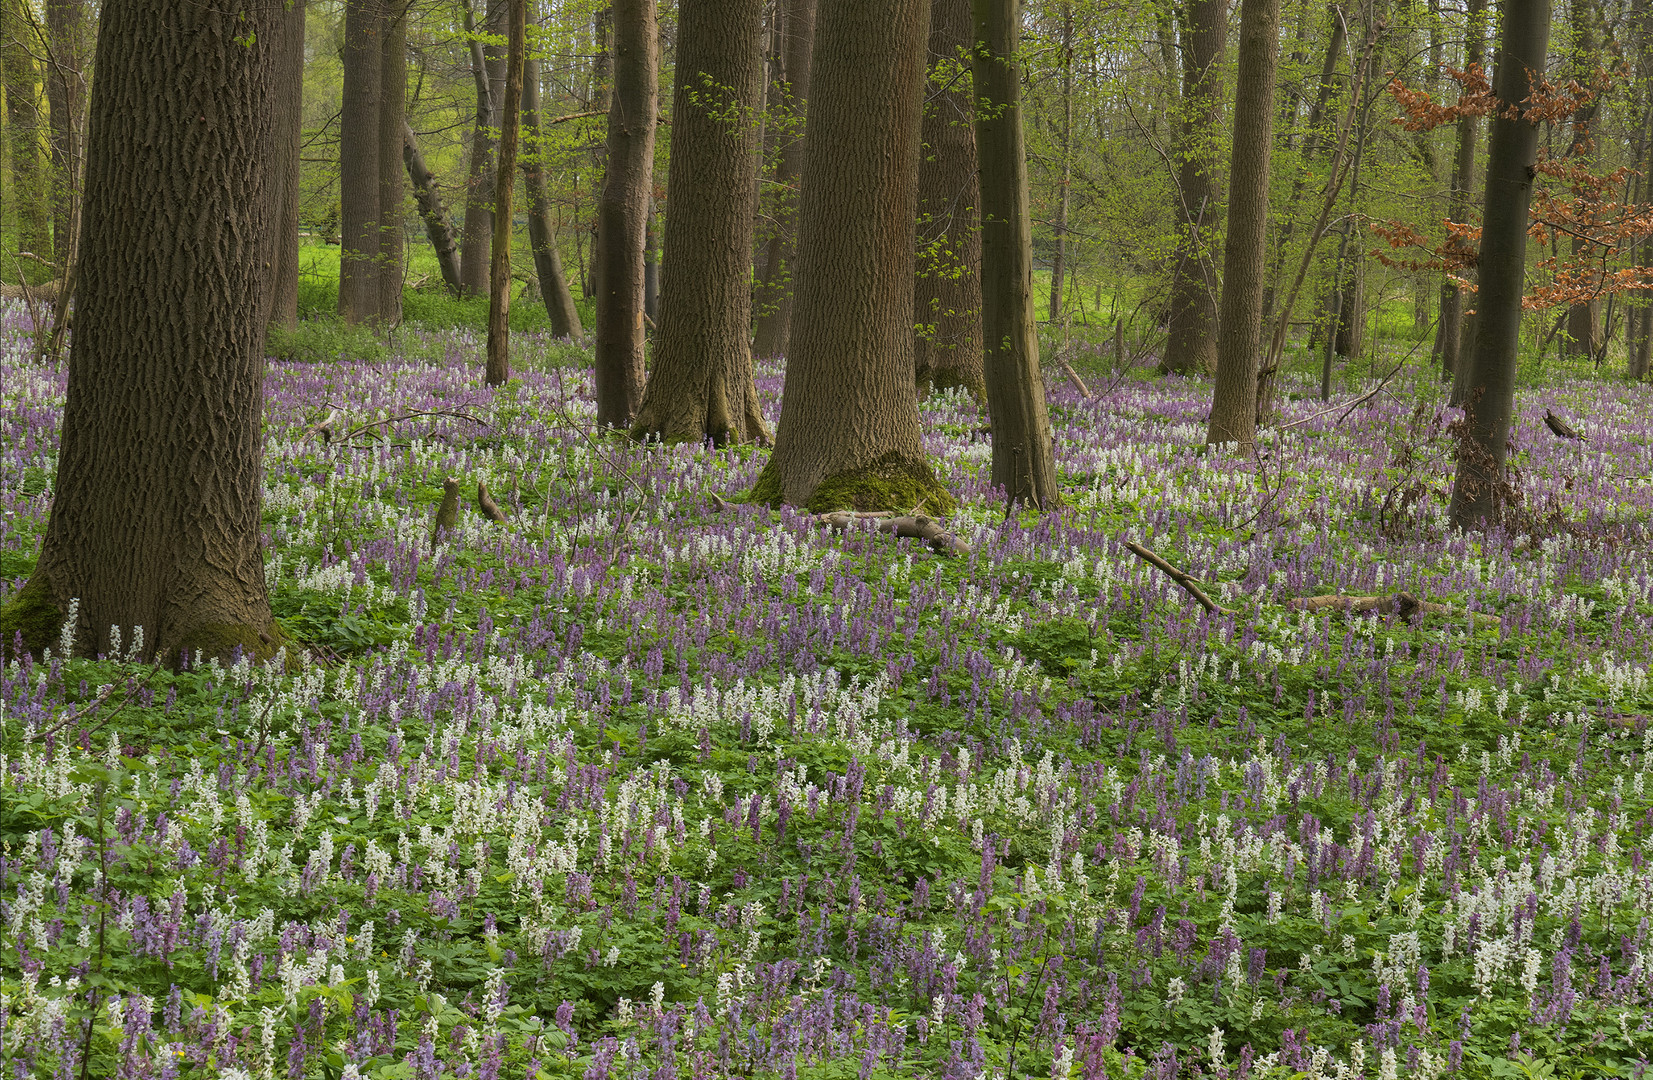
point(1189, 585)
point(1404, 605)
point(915, 526)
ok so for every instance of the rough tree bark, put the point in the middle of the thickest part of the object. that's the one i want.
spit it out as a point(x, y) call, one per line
point(499, 270)
point(1239, 319)
point(69, 47)
point(1024, 459)
point(488, 72)
point(542, 237)
point(701, 383)
point(1512, 152)
point(849, 433)
point(19, 78)
point(390, 122)
point(1449, 331)
point(622, 214)
point(947, 349)
point(1191, 347)
point(155, 518)
point(286, 135)
point(359, 161)
point(427, 196)
point(1064, 150)
point(773, 296)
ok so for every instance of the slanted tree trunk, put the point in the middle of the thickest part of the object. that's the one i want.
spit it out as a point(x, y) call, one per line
point(499, 272)
point(487, 71)
point(1024, 459)
point(947, 348)
point(701, 384)
point(542, 237)
point(286, 135)
point(390, 123)
point(19, 77)
point(155, 518)
point(1512, 152)
point(622, 215)
point(427, 196)
point(773, 295)
point(1064, 150)
point(69, 34)
point(359, 161)
point(1239, 319)
point(1450, 329)
point(1191, 346)
point(849, 433)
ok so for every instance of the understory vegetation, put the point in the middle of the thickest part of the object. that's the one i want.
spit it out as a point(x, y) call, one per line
point(642, 783)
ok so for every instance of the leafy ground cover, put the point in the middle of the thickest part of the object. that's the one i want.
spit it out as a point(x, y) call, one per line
point(632, 786)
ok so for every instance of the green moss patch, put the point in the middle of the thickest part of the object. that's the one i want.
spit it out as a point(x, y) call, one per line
point(33, 614)
point(893, 482)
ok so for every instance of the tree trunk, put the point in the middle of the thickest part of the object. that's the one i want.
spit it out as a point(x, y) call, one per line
point(499, 269)
point(701, 384)
point(1191, 347)
point(1512, 152)
point(30, 183)
point(1450, 331)
point(542, 237)
point(155, 518)
point(359, 161)
point(1239, 320)
point(286, 136)
point(849, 432)
point(651, 271)
point(1064, 150)
point(602, 97)
point(622, 215)
point(479, 186)
point(1024, 460)
point(69, 45)
point(393, 81)
point(773, 296)
point(428, 197)
point(947, 348)
point(1583, 333)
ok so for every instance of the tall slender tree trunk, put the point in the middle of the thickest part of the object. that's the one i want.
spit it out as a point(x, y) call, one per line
point(947, 348)
point(701, 384)
point(542, 236)
point(773, 296)
point(1582, 336)
point(622, 214)
point(391, 122)
point(602, 97)
point(1239, 319)
point(487, 71)
point(1450, 330)
point(427, 196)
point(69, 33)
point(1064, 150)
point(286, 136)
point(359, 161)
point(1512, 152)
point(19, 77)
point(1024, 459)
point(499, 270)
point(849, 432)
point(1191, 346)
point(155, 519)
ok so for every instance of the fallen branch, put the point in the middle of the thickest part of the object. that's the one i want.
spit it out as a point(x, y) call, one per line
point(915, 526)
point(486, 504)
point(1078, 383)
point(1403, 604)
point(1189, 585)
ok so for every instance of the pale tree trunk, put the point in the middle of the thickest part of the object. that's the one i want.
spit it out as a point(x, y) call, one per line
point(1512, 152)
point(1582, 336)
point(427, 196)
point(773, 295)
point(1064, 149)
point(701, 383)
point(542, 236)
point(622, 215)
point(1191, 346)
point(487, 71)
point(499, 271)
point(69, 33)
point(1449, 332)
point(359, 161)
point(1239, 319)
point(849, 434)
point(1024, 460)
point(947, 347)
point(390, 123)
point(30, 187)
point(286, 135)
point(155, 519)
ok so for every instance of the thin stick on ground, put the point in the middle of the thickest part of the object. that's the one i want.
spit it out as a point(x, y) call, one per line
point(1189, 585)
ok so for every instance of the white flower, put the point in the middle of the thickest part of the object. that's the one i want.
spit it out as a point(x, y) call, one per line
point(1174, 990)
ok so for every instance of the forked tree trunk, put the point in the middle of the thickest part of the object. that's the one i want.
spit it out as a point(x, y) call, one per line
point(359, 161)
point(947, 349)
point(155, 518)
point(286, 135)
point(1064, 150)
point(1239, 319)
point(1450, 330)
point(542, 237)
point(701, 383)
point(1024, 461)
point(622, 215)
point(1512, 152)
point(773, 295)
point(486, 60)
point(391, 121)
point(499, 271)
point(427, 196)
point(849, 431)
point(19, 78)
point(1191, 347)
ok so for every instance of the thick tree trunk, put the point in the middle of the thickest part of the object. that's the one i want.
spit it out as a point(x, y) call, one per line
point(359, 161)
point(286, 135)
point(69, 48)
point(701, 383)
point(499, 270)
point(1512, 151)
point(849, 432)
point(622, 215)
point(542, 237)
point(1450, 330)
point(155, 518)
point(391, 121)
point(1064, 150)
point(947, 349)
point(427, 196)
point(30, 187)
point(1191, 347)
point(1239, 319)
point(479, 184)
point(1024, 460)
point(773, 296)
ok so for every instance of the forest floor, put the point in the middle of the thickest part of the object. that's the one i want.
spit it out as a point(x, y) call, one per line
point(637, 785)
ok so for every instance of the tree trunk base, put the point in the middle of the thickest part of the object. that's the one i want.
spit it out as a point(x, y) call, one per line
point(936, 379)
point(890, 483)
point(33, 615)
